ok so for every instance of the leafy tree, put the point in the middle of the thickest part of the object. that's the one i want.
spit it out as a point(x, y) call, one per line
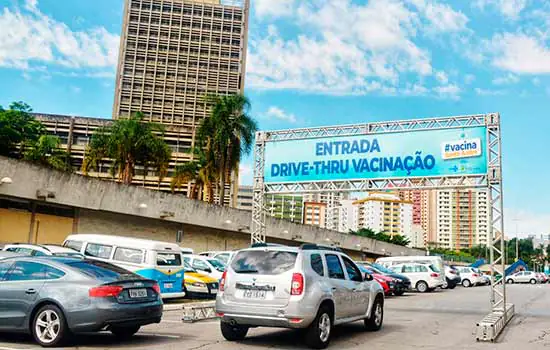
point(128, 143)
point(17, 126)
point(45, 151)
point(202, 173)
point(228, 134)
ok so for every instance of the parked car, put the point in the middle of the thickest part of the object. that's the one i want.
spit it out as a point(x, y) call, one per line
point(156, 260)
point(424, 278)
point(52, 297)
point(402, 283)
point(224, 257)
point(542, 277)
point(387, 283)
point(185, 251)
point(197, 284)
point(452, 277)
point(389, 261)
point(469, 276)
point(523, 277)
point(309, 287)
point(205, 265)
point(42, 250)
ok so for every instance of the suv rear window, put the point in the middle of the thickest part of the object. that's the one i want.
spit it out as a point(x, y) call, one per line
point(101, 270)
point(263, 262)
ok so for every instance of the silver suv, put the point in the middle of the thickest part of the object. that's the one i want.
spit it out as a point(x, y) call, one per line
point(311, 287)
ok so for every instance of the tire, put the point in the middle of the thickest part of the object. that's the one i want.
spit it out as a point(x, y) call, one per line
point(533, 281)
point(49, 326)
point(399, 293)
point(124, 332)
point(445, 285)
point(376, 318)
point(233, 333)
point(510, 281)
point(318, 335)
point(422, 287)
point(466, 284)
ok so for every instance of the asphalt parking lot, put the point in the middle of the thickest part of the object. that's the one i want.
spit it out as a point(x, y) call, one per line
point(439, 320)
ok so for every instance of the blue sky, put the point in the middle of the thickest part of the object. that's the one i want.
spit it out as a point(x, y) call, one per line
point(320, 62)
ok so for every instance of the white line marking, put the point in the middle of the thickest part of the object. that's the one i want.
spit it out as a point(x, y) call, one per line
point(147, 334)
point(5, 348)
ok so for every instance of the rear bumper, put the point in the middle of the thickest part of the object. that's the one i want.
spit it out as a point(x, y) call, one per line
point(172, 295)
point(103, 316)
point(267, 316)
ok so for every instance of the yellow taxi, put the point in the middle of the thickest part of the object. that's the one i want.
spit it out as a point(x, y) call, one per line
point(197, 284)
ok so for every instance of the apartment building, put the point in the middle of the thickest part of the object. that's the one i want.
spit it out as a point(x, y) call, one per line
point(245, 197)
point(287, 207)
point(424, 211)
point(462, 218)
point(331, 209)
point(380, 211)
point(315, 214)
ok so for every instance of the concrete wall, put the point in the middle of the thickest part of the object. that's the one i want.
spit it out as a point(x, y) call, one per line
point(164, 213)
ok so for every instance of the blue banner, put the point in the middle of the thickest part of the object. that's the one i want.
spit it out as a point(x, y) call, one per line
point(447, 152)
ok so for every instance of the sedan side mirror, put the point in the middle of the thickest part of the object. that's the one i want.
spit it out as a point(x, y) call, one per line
point(368, 277)
point(208, 270)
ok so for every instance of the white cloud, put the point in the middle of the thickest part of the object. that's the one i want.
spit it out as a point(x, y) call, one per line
point(414, 90)
point(341, 48)
point(273, 8)
point(509, 8)
point(276, 113)
point(442, 77)
point(29, 38)
point(506, 80)
point(442, 16)
point(520, 53)
point(488, 92)
point(448, 91)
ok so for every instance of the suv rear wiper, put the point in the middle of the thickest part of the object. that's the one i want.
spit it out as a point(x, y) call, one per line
point(247, 271)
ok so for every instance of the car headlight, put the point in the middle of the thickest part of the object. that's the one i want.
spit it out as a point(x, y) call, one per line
point(199, 284)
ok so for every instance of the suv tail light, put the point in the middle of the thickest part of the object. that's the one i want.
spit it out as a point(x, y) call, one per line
point(297, 286)
point(105, 291)
point(434, 275)
point(222, 281)
point(156, 288)
point(475, 275)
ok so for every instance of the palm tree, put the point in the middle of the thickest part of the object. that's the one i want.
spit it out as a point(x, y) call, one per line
point(46, 151)
point(185, 173)
point(202, 173)
point(128, 143)
point(228, 134)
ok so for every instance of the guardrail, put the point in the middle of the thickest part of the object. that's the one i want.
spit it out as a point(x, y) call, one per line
point(197, 312)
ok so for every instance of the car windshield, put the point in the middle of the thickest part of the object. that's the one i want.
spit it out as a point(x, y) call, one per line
point(168, 259)
point(187, 267)
point(217, 264)
point(263, 262)
point(381, 268)
point(102, 271)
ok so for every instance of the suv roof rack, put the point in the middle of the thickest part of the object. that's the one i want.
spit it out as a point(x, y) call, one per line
point(313, 246)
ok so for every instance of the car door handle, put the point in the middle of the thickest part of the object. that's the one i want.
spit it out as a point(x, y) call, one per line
point(31, 291)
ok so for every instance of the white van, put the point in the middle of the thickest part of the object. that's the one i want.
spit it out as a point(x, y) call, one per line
point(159, 261)
point(388, 262)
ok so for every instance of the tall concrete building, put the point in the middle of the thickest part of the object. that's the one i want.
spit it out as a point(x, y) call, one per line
point(285, 206)
point(245, 197)
point(382, 211)
point(315, 214)
point(424, 211)
point(462, 218)
point(172, 54)
point(331, 204)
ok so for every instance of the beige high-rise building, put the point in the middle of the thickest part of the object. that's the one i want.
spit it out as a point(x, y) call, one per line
point(172, 54)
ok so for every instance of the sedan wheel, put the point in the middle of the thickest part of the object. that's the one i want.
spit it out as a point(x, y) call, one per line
point(466, 283)
point(422, 287)
point(319, 332)
point(533, 281)
point(48, 327)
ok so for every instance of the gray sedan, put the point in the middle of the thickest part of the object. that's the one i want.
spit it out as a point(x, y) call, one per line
point(51, 298)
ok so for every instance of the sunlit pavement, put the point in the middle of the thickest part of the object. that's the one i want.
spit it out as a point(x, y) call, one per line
point(439, 320)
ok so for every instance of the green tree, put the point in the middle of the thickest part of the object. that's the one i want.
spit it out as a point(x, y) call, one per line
point(381, 236)
point(128, 143)
point(228, 133)
point(45, 151)
point(17, 127)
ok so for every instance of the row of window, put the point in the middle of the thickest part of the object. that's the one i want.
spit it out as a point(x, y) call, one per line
point(334, 267)
point(180, 24)
point(186, 9)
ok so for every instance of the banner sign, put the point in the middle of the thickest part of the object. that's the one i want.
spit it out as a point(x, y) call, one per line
point(446, 152)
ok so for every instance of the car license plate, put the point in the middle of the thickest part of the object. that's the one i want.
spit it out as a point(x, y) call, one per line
point(168, 285)
point(138, 293)
point(213, 291)
point(254, 294)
